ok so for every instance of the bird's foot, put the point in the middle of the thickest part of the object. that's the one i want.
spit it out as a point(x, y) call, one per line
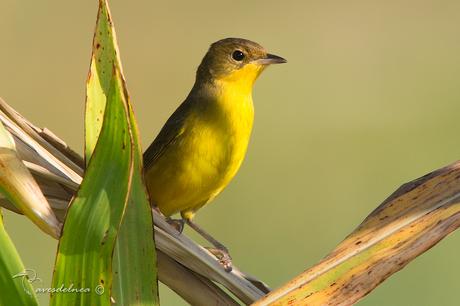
point(178, 224)
point(223, 257)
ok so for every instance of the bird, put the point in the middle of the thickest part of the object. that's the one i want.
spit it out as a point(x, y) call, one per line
point(203, 143)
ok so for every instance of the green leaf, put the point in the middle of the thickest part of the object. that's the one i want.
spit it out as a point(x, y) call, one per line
point(16, 288)
point(134, 264)
point(411, 221)
point(84, 259)
point(18, 185)
point(103, 59)
point(135, 260)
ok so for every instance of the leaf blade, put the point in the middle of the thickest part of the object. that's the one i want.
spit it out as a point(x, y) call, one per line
point(95, 214)
point(135, 259)
point(134, 262)
point(15, 290)
point(103, 58)
point(18, 185)
point(409, 222)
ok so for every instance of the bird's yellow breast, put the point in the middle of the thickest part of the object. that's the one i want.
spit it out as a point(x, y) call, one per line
point(212, 145)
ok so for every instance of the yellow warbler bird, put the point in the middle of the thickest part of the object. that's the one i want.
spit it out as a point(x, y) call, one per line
point(201, 146)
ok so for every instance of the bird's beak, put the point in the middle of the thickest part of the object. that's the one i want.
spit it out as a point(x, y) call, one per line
point(271, 59)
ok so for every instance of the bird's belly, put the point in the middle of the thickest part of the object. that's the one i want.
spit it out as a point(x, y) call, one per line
point(196, 168)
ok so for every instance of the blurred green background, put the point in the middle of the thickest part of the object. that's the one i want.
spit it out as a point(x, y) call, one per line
point(370, 99)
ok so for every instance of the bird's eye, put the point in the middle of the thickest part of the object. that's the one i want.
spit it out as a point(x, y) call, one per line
point(238, 55)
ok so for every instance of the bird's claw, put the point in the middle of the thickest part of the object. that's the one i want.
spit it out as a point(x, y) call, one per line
point(223, 257)
point(178, 224)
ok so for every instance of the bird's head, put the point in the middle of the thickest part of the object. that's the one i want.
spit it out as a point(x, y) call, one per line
point(235, 60)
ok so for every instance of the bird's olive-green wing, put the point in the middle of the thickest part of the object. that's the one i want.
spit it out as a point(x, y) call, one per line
point(170, 132)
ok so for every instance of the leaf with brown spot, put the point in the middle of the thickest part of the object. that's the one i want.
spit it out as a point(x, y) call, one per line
point(95, 214)
point(411, 221)
point(134, 257)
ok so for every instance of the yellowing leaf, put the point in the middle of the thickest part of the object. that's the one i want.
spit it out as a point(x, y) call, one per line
point(104, 57)
point(18, 185)
point(409, 222)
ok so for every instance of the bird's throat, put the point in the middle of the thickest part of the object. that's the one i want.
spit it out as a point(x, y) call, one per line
point(242, 80)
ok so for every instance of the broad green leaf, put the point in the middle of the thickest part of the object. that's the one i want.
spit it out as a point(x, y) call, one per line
point(16, 288)
point(18, 185)
point(84, 259)
point(134, 264)
point(408, 223)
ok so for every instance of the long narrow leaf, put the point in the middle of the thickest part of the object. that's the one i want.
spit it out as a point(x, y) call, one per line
point(194, 288)
point(18, 185)
point(134, 263)
point(409, 222)
point(15, 287)
point(197, 258)
point(135, 255)
point(104, 57)
point(84, 259)
point(49, 151)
